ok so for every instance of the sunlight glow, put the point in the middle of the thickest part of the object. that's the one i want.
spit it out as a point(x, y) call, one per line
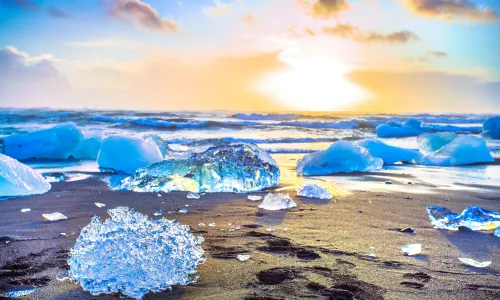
point(316, 83)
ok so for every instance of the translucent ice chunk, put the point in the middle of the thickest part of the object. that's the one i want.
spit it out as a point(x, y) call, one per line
point(17, 179)
point(491, 128)
point(390, 154)
point(341, 156)
point(474, 263)
point(18, 293)
point(162, 146)
point(313, 190)
point(54, 216)
point(192, 195)
point(25, 209)
point(127, 154)
point(51, 143)
point(130, 254)
point(412, 249)
point(464, 150)
point(99, 204)
point(222, 168)
point(183, 211)
point(243, 257)
point(157, 213)
point(429, 143)
point(497, 232)
point(87, 148)
point(393, 129)
point(277, 202)
point(54, 176)
point(254, 198)
point(473, 217)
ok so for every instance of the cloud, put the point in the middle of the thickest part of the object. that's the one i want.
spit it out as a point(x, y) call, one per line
point(219, 9)
point(453, 9)
point(325, 9)
point(29, 80)
point(348, 31)
point(141, 14)
point(57, 13)
point(426, 91)
point(439, 54)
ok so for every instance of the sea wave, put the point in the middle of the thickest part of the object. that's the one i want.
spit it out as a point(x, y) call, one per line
point(255, 141)
point(271, 117)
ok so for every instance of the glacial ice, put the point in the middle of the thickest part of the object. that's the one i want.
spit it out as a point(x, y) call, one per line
point(473, 217)
point(127, 154)
point(412, 127)
point(429, 143)
point(497, 232)
point(341, 156)
point(474, 263)
point(25, 210)
point(313, 190)
point(56, 216)
point(390, 154)
point(412, 249)
point(491, 128)
point(254, 197)
point(130, 254)
point(192, 195)
point(221, 168)
point(162, 146)
point(17, 179)
point(87, 148)
point(277, 202)
point(51, 143)
point(464, 150)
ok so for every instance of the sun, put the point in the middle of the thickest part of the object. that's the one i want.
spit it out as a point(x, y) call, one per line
point(313, 83)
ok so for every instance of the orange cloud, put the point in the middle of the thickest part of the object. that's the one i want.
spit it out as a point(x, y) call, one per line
point(452, 9)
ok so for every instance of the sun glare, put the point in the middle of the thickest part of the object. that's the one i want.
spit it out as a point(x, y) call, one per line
point(312, 84)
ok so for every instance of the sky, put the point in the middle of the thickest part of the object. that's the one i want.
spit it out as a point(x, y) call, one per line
point(380, 56)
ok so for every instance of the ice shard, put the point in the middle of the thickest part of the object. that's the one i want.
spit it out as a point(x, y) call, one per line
point(133, 255)
point(277, 202)
point(473, 217)
point(222, 168)
point(313, 190)
point(17, 179)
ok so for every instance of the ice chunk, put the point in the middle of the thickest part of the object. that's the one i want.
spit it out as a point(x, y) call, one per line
point(87, 148)
point(127, 154)
point(162, 146)
point(392, 129)
point(464, 150)
point(18, 293)
point(243, 257)
point(390, 154)
point(313, 190)
point(130, 254)
point(341, 156)
point(429, 143)
point(54, 176)
point(54, 216)
point(491, 128)
point(474, 263)
point(25, 209)
point(211, 225)
point(183, 211)
point(412, 249)
point(99, 204)
point(158, 213)
point(277, 202)
point(254, 198)
point(17, 179)
point(473, 217)
point(192, 195)
point(223, 168)
point(52, 143)
point(497, 232)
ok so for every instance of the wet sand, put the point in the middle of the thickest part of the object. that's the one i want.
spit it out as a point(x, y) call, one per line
point(318, 250)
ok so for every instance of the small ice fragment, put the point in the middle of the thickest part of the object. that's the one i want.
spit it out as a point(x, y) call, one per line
point(211, 225)
point(473, 217)
point(187, 205)
point(409, 198)
point(159, 195)
point(313, 190)
point(25, 209)
point(474, 263)
point(192, 195)
point(497, 232)
point(237, 228)
point(54, 216)
point(243, 257)
point(183, 210)
point(17, 293)
point(373, 248)
point(231, 229)
point(372, 255)
point(285, 229)
point(388, 182)
point(62, 233)
point(412, 249)
point(407, 230)
point(158, 213)
point(99, 204)
point(62, 276)
point(201, 224)
point(254, 198)
point(229, 224)
point(270, 229)
point(277, 202)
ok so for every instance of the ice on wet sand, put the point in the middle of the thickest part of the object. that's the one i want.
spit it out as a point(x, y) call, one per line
point(313, 190)
point(473, 217)
point(132, 255)
point(277, 202)
point(56, 216)
point(192, 195)
point(254, 197)
point(412, 249)
point(17, 179)
point(474, 263)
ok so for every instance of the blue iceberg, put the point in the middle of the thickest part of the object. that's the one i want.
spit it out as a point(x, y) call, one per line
point(237, 168)
point(412, 127)
point(491, 128)
point(129, 254)
point(473, 217)
point(162, 146)
point(429, 143)
point(463, 150)
point(127, 154)
point(340, 157)
point(88, 148)
point(17, 179)
point(390, 154)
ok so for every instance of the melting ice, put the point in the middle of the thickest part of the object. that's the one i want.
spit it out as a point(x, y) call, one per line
point(473, 217)
point(17, 179)
point(313, 190)
point(277, 202)
point(474, 263)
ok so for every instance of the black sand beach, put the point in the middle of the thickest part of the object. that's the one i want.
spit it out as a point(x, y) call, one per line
point(318, 250)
